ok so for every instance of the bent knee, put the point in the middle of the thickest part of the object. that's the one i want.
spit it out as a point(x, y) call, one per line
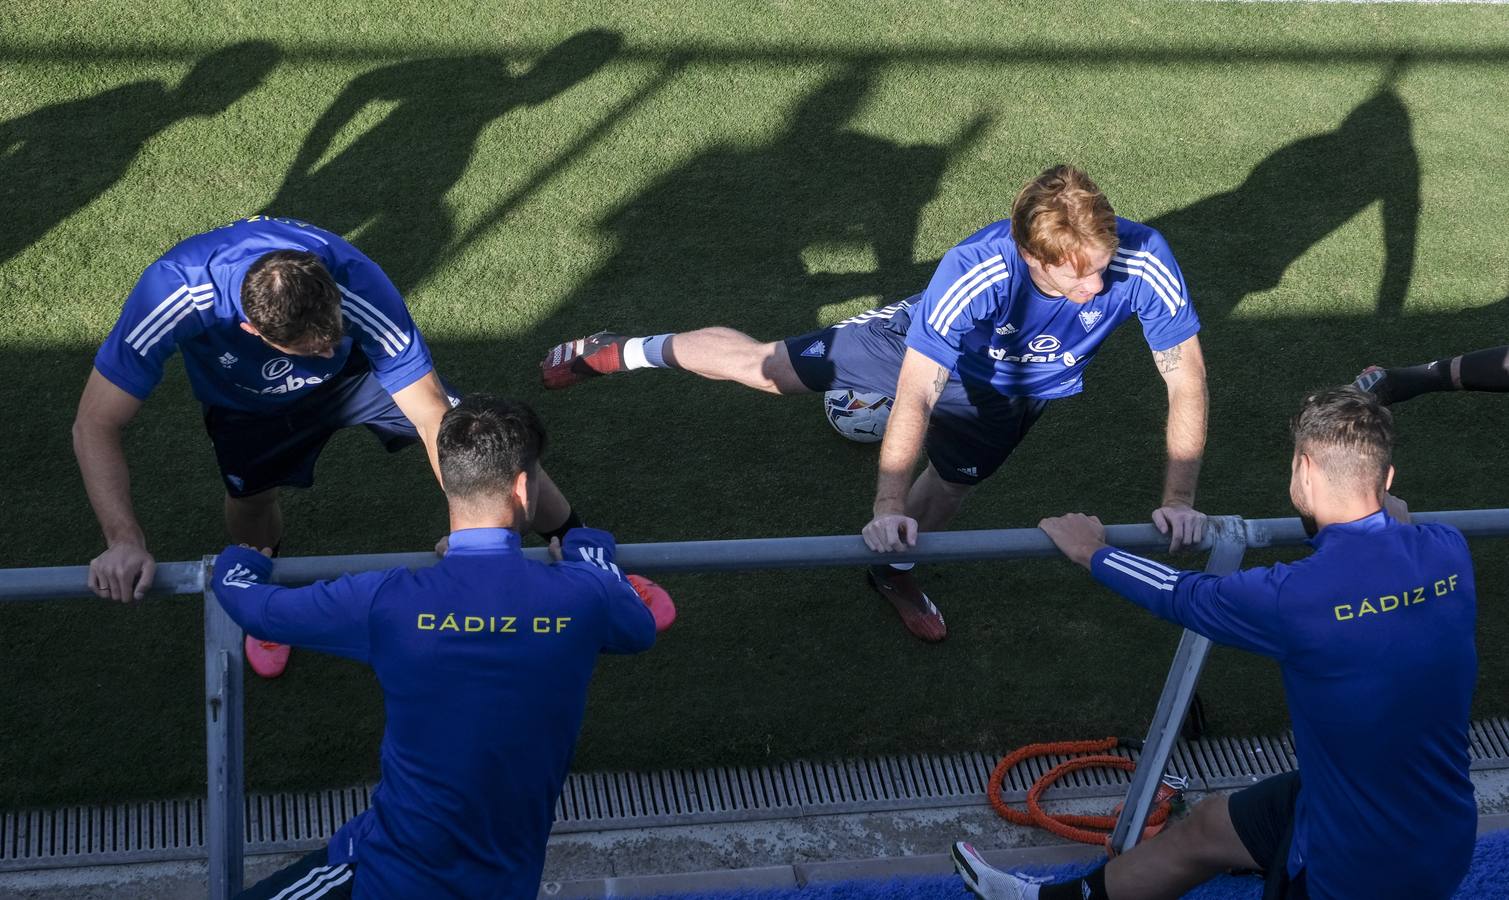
point(254, 502)
point(957, 490)
point(1209, 836)
point(777, 371)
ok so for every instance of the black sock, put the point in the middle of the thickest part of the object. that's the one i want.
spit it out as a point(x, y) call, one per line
point(1486, 370)
point(1090, 887)
point(572, 521)
point(1413, 381)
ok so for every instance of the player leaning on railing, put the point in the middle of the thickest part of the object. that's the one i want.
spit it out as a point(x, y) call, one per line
point(1011, 320)
point(1374, 636)
point(288, 334)
point(484, 660)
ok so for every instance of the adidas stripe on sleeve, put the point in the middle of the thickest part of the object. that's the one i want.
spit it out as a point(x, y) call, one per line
point(1159, 296)
point(328, 616)
point(1239, 610)
point(162, 309)
point(378, 319)
point(963, 291)
point(630, 627)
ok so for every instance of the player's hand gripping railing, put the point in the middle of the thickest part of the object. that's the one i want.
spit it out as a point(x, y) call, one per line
point(1227, 539)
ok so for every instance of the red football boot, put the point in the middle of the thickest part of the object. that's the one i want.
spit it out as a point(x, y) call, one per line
point(918, 613)
point(657, 599)
point(267, 658)
point(575, 361)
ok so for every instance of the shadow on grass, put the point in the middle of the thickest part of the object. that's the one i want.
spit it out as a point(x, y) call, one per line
point(386, 190)
point(737, 235)
point(56, 160)
point(1242, 241)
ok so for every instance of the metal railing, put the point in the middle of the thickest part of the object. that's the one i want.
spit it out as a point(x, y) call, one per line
point(1227, 539)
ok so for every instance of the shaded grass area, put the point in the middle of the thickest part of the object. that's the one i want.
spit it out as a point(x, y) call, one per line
point(1330, 210)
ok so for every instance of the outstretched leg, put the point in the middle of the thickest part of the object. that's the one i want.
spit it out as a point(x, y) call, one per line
point(1480, 370)
point(720, 354)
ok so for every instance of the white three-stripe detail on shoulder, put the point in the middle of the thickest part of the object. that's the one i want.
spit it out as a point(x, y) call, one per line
point(147, 320)
point(1168, 292)
point(168, 314)
point(397, 335)
point(1154, 263)
point(959, 308)
point(367, 325)
point(1168, 301)
point(1153, 269)
point(960, 286)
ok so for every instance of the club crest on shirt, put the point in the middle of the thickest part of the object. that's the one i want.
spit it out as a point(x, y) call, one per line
point(1089, 317)
point(227, 359)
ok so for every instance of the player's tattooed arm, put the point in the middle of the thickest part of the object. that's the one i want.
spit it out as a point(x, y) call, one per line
point(1183, 370)
point(940, 381)
point(1168, 360)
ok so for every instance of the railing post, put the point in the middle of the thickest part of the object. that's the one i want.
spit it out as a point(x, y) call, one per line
point(1229, 542)
point(224, 729)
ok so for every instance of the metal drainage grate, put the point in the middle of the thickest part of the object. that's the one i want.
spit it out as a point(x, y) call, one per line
point(276, 822)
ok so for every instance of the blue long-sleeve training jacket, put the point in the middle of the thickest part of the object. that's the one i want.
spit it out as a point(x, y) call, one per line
point(484, 660)
point(1373, 633)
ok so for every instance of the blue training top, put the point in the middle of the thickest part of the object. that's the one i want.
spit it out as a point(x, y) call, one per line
point(984, 319)
point(190, 299)
point(1373, 633)
point(484, 660)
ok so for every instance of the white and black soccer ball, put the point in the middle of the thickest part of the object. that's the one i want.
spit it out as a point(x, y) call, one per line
point(858, 416)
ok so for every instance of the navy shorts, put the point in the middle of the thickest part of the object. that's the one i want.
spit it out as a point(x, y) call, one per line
point(258, 451)
point(1263, 816)
point(974, 428)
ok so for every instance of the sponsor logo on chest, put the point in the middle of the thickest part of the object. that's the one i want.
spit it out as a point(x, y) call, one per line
point(1041, 349)
point(280, 370)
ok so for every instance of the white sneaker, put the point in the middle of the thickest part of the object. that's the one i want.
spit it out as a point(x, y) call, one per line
point(989, 883)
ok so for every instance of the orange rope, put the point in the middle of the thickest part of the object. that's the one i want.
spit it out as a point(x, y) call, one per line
point(1085, 829)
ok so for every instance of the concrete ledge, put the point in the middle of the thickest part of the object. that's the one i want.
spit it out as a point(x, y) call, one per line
point(801, 875)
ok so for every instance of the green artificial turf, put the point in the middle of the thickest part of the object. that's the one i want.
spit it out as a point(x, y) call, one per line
point(1329, 176)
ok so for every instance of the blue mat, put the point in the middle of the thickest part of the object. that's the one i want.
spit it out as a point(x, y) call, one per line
point(1488, 879)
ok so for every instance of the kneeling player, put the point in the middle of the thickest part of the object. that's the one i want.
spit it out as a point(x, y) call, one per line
point(484, 661)
point(1480, 370)
point(1373, 633)
point(1010, 321)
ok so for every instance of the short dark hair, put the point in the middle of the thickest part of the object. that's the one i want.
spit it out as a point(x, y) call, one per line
point(485, 442)
point(1349, 433)
point(289, 296)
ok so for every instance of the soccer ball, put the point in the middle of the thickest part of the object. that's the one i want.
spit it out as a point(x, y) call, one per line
point(858, 416)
